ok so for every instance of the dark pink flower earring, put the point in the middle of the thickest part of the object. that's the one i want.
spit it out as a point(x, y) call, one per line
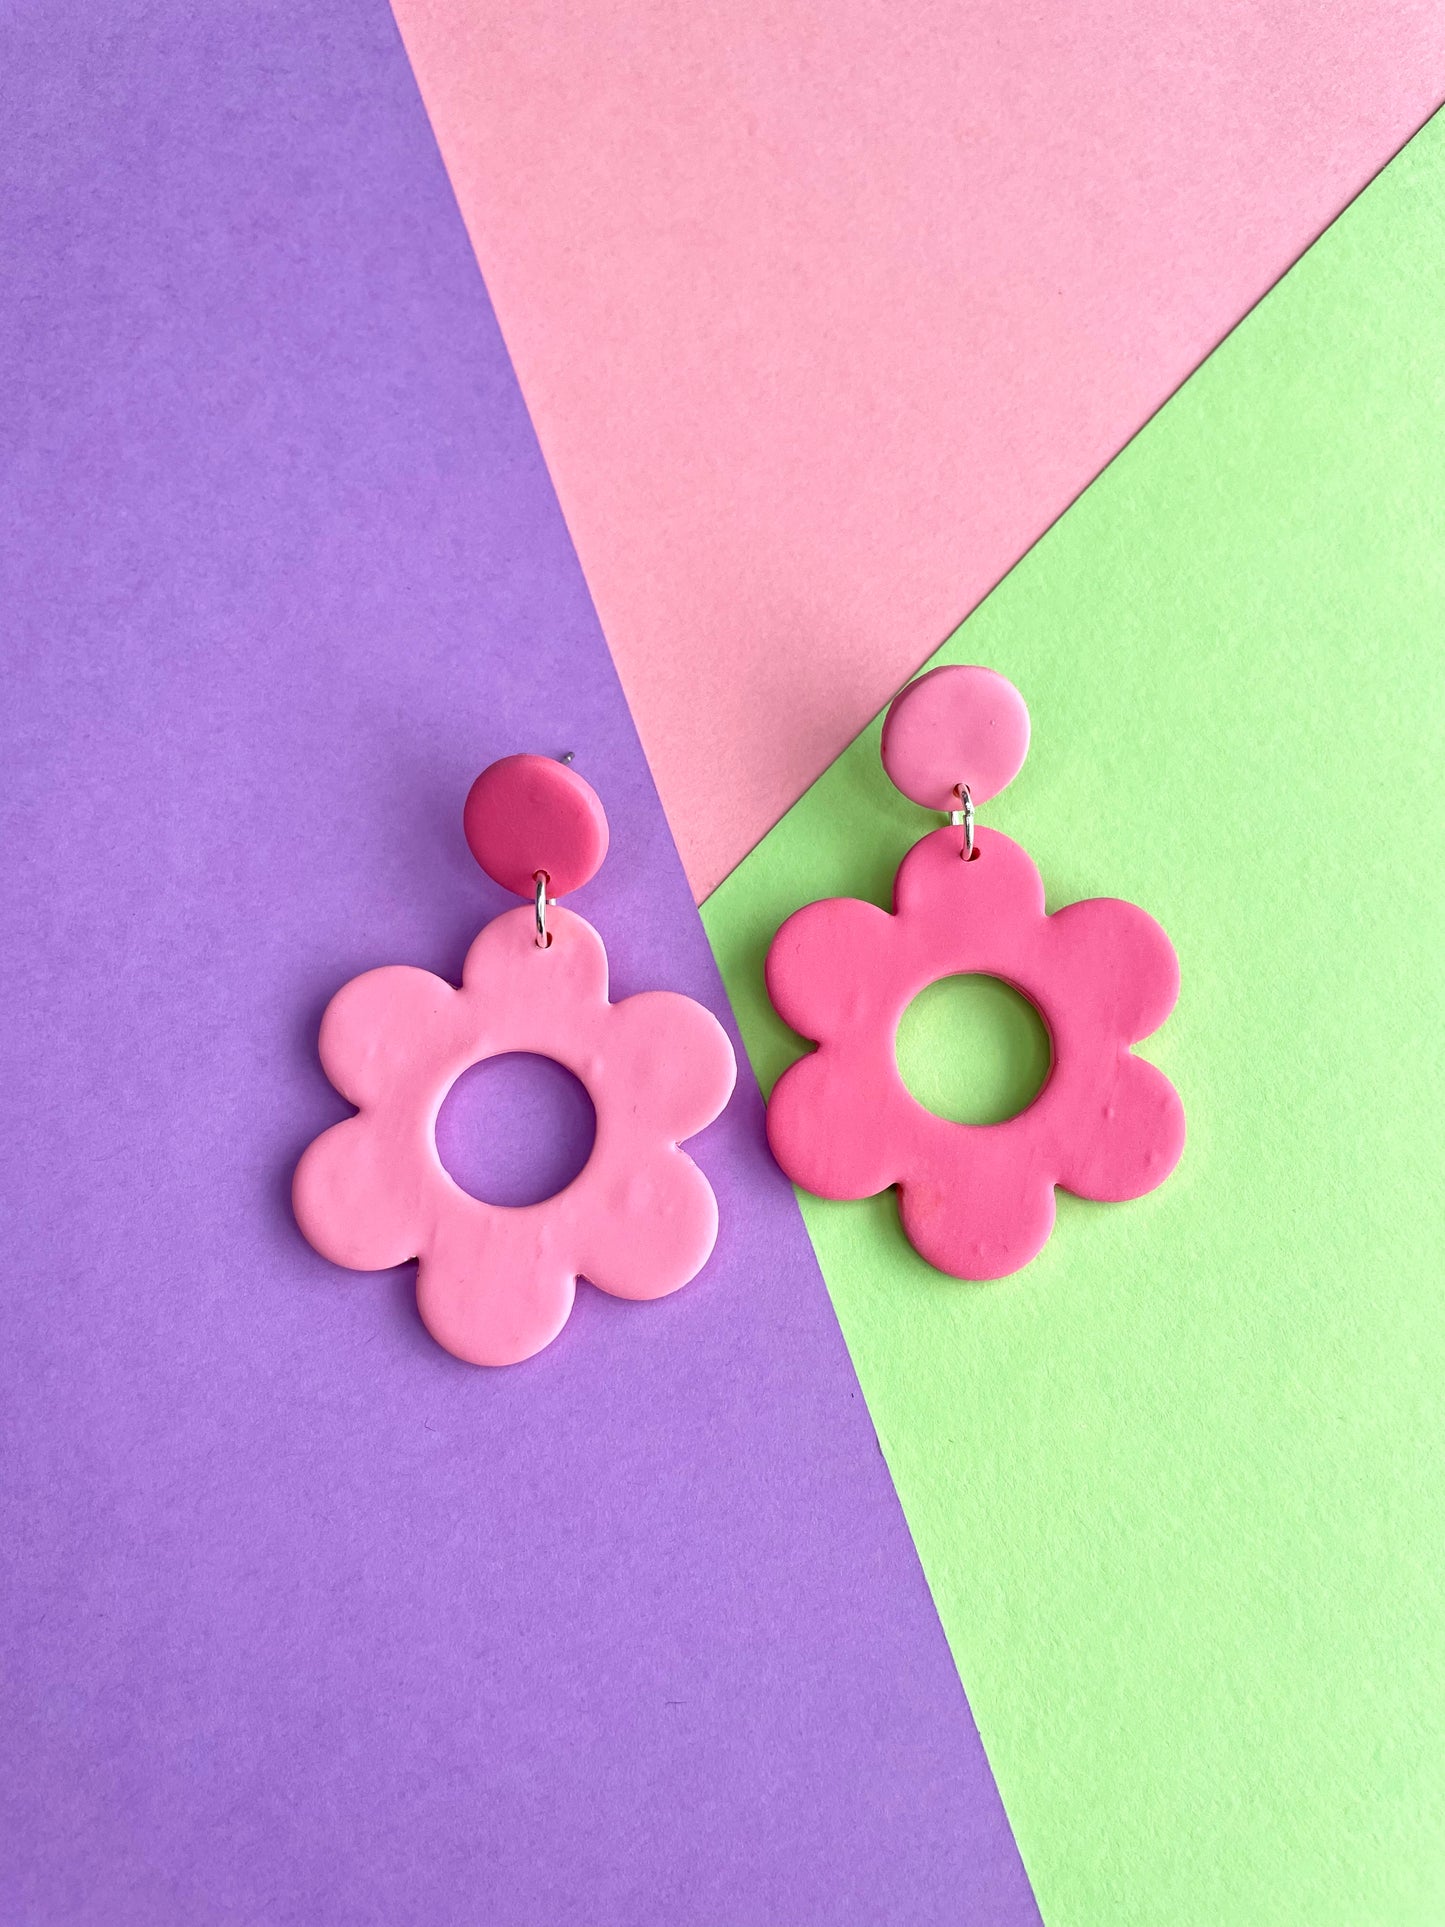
point(977, 1201)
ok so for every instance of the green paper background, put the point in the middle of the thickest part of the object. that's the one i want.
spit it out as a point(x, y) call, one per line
point(1177, 1485)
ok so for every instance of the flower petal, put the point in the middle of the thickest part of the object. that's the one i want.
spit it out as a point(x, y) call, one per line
point(833, 1121)
point(363, 1192)
point(823, 973)
point(381, 1027)
point(667, 1062)
point(647, 1229)
point(1129, 1139)
point(494, 1285)
point(504, 965)
point(979, 1203)
point(1113, 957)
point(1002, 885)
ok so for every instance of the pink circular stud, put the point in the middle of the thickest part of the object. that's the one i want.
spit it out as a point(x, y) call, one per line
point(529, 813)
point(952, 727)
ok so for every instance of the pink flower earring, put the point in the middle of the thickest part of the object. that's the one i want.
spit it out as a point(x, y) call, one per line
point(976, 1201)
point(495, 1283)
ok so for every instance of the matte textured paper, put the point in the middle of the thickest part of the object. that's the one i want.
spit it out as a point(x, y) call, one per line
point(824, 313)
point(1176, 1484)
point(303, 1620)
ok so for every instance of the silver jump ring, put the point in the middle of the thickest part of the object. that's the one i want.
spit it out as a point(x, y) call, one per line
point(963, 817)
point(542, 880)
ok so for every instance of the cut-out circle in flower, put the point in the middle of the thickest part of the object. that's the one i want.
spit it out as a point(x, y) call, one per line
point(972, 1050)
point(516, 1129)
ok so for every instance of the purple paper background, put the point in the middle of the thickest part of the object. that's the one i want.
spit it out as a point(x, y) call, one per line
point(304, 1621)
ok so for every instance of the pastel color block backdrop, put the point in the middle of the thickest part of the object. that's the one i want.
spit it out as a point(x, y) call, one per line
point(303, 1621)
point(821, 321)
point(1177, 1485)
point(823, 314)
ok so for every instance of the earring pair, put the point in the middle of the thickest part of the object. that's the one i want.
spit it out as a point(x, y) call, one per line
point(496, 1283)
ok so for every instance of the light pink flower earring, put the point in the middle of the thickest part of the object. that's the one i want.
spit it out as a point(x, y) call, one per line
point(495, 1283)
point(977, 1201)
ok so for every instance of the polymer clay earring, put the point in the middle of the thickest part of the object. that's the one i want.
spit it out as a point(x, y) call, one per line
point(976, 1201)
point(495, 1283)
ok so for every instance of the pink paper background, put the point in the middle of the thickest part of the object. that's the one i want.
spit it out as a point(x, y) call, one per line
point(822, 315)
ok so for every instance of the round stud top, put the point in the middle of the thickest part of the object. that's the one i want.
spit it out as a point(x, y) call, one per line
point(529, 813)
point(953, 726)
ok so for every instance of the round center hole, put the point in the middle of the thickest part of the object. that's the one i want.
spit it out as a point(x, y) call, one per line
point(515, 1129)
point(973, 1050)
